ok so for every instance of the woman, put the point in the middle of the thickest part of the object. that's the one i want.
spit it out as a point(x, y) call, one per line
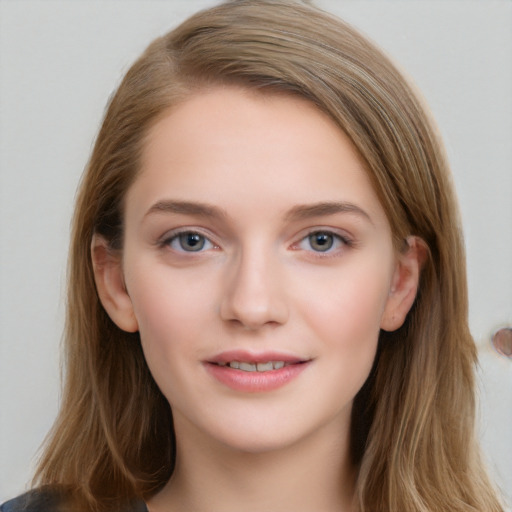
point(265, 243)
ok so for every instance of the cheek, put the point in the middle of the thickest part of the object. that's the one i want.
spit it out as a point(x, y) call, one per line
point(350, 301)
point(171, 316)
point(345, 317)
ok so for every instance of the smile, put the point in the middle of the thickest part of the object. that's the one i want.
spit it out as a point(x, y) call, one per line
point(255, 367)
point(256, 373)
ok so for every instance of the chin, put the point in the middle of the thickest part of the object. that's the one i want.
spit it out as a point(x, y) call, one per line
point(256, 443)
point(263, 435)
point(244, 433)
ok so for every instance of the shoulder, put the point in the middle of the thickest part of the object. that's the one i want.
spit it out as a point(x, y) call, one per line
point(51, 500)
point(34, 501)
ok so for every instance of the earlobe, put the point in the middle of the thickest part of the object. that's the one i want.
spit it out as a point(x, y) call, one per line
point(108, 275)
point(404, 284)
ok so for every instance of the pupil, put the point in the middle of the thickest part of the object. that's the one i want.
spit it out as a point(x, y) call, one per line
point(321, 241)
point(191, 241)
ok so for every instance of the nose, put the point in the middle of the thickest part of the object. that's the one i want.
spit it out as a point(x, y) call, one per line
point(254, 295)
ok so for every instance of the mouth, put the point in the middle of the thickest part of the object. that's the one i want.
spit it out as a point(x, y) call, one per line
point(246, 366)
point(245, 372)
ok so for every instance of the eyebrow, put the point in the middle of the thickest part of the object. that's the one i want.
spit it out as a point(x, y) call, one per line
point(299, 212)
point(307, 211)
point(187, 208)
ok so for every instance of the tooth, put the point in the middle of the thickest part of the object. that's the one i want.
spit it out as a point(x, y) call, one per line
point(278, 365)
point(234, 364)
point(264, 367)
point(222, 364)
point(247, 367)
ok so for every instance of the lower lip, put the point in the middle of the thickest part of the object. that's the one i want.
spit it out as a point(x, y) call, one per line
point(255, 382)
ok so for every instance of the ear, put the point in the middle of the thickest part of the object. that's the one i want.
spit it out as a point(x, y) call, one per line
point(108, 275)
point(404, 284)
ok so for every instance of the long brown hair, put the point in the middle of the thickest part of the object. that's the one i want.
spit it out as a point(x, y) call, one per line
point(413, 421)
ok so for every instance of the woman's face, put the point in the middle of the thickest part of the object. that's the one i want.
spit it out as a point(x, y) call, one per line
point(259, 265)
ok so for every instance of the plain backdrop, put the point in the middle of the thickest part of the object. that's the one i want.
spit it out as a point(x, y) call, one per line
point(59, 63)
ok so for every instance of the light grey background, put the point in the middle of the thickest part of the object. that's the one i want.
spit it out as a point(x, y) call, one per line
point(59, 62)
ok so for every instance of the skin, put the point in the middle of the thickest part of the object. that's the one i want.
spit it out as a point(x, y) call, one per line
point(260, 282)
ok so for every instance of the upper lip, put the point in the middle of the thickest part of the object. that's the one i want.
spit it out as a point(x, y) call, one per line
point(255, 357)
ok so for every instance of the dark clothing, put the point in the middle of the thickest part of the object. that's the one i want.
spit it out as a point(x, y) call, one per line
point(53, 501)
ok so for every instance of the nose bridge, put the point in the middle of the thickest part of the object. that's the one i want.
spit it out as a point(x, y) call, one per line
point(254, 295)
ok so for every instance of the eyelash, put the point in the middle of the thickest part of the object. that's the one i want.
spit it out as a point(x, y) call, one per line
point(337, 242)
point(178, 237)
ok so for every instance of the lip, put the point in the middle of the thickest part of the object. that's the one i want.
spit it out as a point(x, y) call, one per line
point(255, 382)
point(253, 357)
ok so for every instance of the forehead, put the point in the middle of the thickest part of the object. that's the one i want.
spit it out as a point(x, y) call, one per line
point(250, 147)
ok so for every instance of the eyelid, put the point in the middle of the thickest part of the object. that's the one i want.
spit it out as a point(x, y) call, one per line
point(345, 240)
point(165, 240)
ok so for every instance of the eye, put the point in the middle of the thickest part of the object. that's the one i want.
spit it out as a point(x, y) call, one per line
point(322, 241)
point(189, 241)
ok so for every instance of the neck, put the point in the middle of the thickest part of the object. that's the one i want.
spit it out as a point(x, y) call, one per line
point(312, 475)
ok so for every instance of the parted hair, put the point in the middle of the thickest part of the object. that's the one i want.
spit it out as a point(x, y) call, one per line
point(413, 435)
